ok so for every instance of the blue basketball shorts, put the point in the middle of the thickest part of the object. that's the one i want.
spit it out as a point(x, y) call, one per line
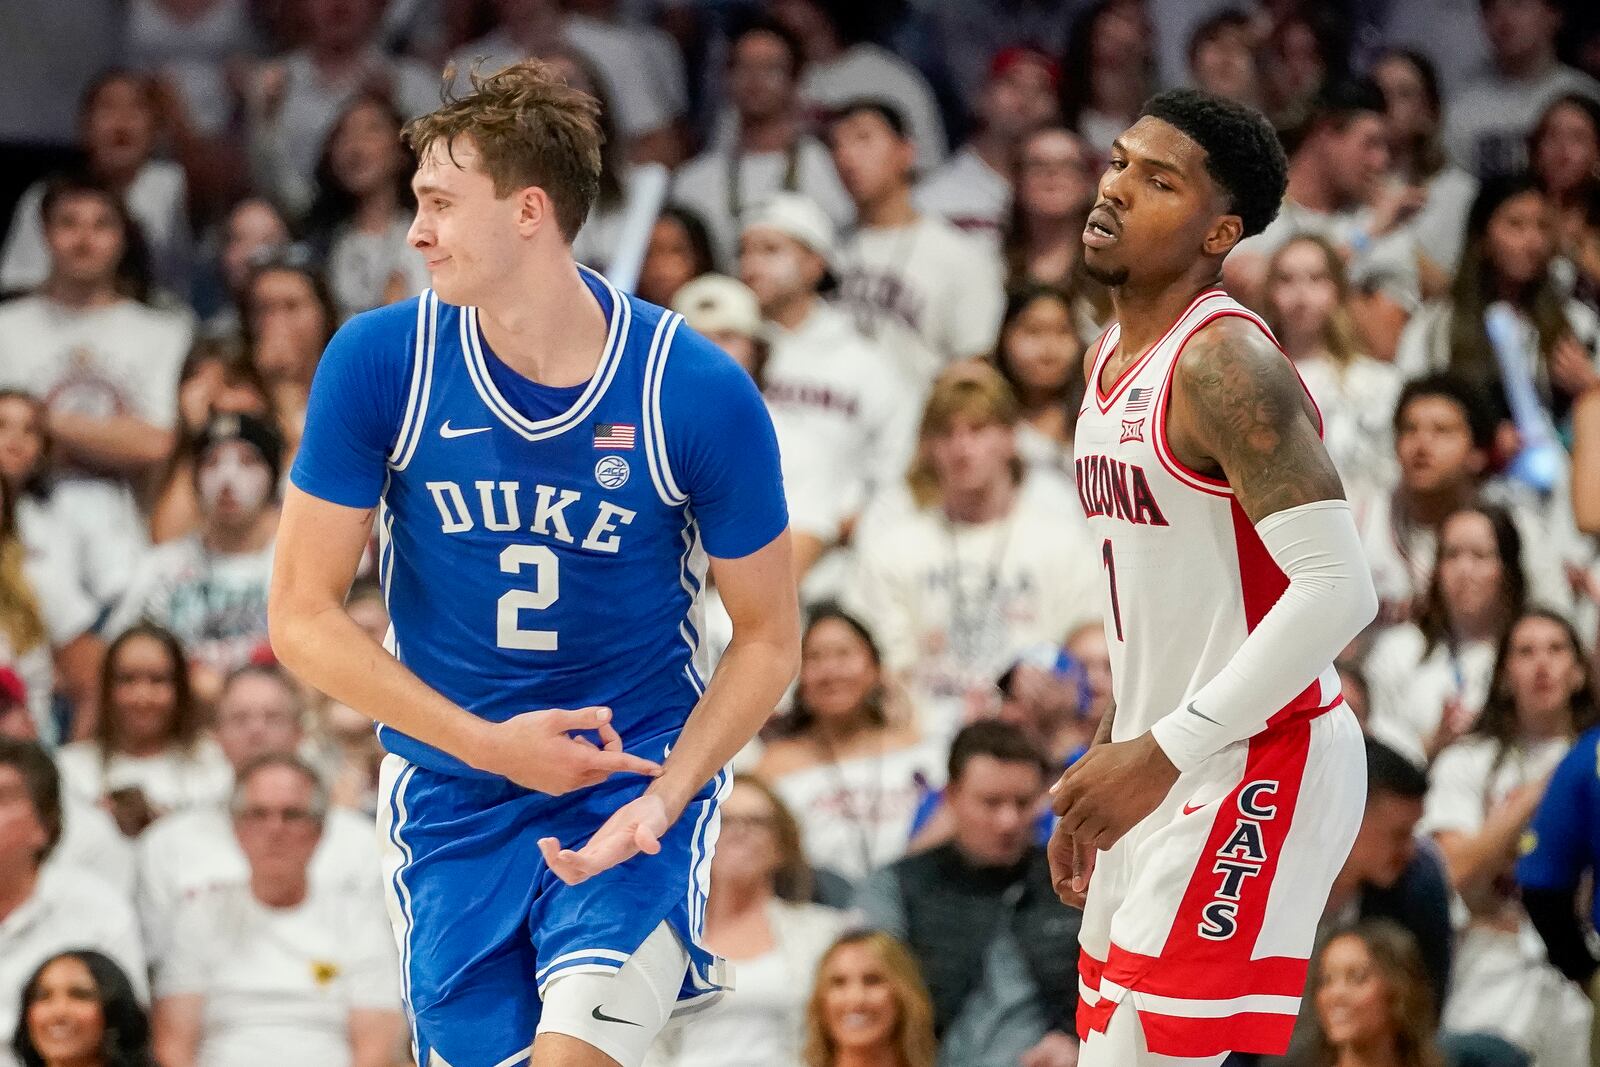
point(482, 924)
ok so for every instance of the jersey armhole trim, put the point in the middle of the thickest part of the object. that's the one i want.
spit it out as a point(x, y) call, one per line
point(405, 445)
point(655, 435)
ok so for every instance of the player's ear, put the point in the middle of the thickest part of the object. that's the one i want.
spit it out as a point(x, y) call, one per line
point(1226, 232)
point(533, 209)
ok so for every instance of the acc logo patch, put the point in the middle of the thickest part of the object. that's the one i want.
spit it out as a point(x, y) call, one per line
point(611, 472)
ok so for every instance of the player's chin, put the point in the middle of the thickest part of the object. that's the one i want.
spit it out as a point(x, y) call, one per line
point(1104, 265)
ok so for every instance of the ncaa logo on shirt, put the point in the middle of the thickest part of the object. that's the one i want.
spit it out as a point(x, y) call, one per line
point(611, 472)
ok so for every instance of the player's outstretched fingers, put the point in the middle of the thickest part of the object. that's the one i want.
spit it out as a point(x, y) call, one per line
point(608, 761)
point(569, 720)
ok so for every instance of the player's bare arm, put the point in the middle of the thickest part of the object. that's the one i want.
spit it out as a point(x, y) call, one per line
point(760, 661)
point(319, 546)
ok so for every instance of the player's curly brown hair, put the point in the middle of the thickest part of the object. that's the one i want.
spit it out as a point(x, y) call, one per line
point(531, 128)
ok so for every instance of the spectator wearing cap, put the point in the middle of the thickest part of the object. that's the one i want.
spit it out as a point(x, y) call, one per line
point(729, 315)
point(1492, 114)
point(837, 404)
point(185, 854)
point(1341, 187)
point(277, 967)
point(210, 588)
point(45, 909)
point(771, 152)
point(972, 188)
point(998, 950)
point(923, 290)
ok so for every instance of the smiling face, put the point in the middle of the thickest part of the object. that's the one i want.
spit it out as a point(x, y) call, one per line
point(1352, 999)
point(1157, 209)
point(21, 438)
point(837, 670)
point(364, 150)
point(470, 238)
point(143, 693)
point(860, 1011)
point(65, 1020)
point(1041, 349)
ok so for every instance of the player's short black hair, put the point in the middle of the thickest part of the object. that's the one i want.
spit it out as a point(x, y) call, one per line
point(1243, 154)
point(1474, 404)
point(1389, 772)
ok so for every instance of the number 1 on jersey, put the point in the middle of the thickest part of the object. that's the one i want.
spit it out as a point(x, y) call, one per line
point(1111, 576)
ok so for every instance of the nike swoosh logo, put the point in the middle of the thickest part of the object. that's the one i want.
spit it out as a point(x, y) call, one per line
point(603, 1017)
point(1187, 810)
point(1196, 711)
point(448, 432)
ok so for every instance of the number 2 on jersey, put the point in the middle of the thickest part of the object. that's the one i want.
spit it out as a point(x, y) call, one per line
point(546, 589)
point(1111, 576)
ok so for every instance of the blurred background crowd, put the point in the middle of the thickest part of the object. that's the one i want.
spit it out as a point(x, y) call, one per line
point(875, 206)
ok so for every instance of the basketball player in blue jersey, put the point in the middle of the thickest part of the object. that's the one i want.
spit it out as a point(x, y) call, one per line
point(552, 466)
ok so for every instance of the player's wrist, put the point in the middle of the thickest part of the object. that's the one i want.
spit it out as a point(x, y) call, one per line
point(477, 746)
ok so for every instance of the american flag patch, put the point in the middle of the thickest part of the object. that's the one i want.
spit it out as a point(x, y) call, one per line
point(613, 434)
point(1138, 400)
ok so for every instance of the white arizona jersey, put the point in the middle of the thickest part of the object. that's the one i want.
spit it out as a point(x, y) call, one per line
point(1186, 575)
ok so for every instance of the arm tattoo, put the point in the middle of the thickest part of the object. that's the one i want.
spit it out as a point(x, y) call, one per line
point(1245, 409)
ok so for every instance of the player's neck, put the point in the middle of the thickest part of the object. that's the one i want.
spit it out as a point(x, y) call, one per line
point(16, 886)
point(985, 504)
point(771, 133)
point(1145, 313)
point(80, 296)
point(893, 209)
point(283, 892)
point(549, 330)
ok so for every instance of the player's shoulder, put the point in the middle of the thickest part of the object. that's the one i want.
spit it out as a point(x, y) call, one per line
point(391, 322)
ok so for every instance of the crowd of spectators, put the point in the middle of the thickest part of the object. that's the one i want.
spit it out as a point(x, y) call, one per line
point(875, 207)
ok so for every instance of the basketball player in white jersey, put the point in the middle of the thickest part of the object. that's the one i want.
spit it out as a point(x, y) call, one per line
point(1225, 790)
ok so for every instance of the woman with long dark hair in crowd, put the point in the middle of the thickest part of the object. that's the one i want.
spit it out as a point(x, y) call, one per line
point(851, 776)
point(363, 208)
point(758, 918)
point(1564, 155)
point(869, 1007)
point(1428, 679)
point(1484, 790)
point(149, 754)
point(1107, 72)
point(679, 252)
point(79, 1010)
point(1041, 358)
point(1372, 1005)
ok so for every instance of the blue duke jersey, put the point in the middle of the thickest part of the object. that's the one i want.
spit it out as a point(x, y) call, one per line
point(544, 547)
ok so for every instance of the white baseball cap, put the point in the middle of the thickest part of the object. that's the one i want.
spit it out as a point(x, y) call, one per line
point(714, 303)
point(797, 216)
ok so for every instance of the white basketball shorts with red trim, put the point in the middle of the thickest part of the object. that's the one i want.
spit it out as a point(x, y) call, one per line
point(1203, 917)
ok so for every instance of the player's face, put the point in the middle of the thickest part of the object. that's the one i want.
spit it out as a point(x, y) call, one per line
point(872, 161)
point(86, 240)
point(65, 1020)
point(1301, 294)
point(143, 692)
point(1352, 995)
point(1434, 445)
point(276, 824)
point(1470, 571)
point(1041, 348)
point(1520, 239)
point(1157, 209)
point(995, 804)
point(469, 237)
point(22, 834)
point(21, 439)
point(970, 455)
point(837, 671)
point(1387, 839)
point(254, 717)
point(1542, 669)
point(858, 1002)
point(776, 267)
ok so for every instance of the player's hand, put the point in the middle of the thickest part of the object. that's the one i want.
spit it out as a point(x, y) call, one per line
point(1111, 788)
point(1071, 866)
point(536, 750)
point(633, 828)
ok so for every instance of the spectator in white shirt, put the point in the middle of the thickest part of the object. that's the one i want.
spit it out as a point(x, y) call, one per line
point(210, 588)
point(1493, 112)
point(45, 912)
point(118, 126)
point(972, 189)
point(148, 755)
point(837, 404)
point(1428, 679)
point(772, 151)
point(981, 565)
point(79, 1010)
point(278, 969)
point(923, 290)
point(1485, 789)
point(188, 853)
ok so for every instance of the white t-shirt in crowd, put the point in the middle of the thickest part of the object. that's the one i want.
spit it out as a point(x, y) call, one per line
point(188, 853)
point(1408, 691)
point(967, 192)
point(360, 265)
point(855, 814)
point(92, 846)
point(215, 602)
point(91, 531)
point(1490, 116)
point(66, 911)
point(721, 186)
point(171, 780)
point(158, 200)
point(954, 604)
point(279, 983)
point(762, 1018)
point(844, 419)
point(926, 292)
point(1357, 403)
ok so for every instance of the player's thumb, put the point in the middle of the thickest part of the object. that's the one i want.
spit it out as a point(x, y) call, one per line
point(590, 718)
point(646, 841)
